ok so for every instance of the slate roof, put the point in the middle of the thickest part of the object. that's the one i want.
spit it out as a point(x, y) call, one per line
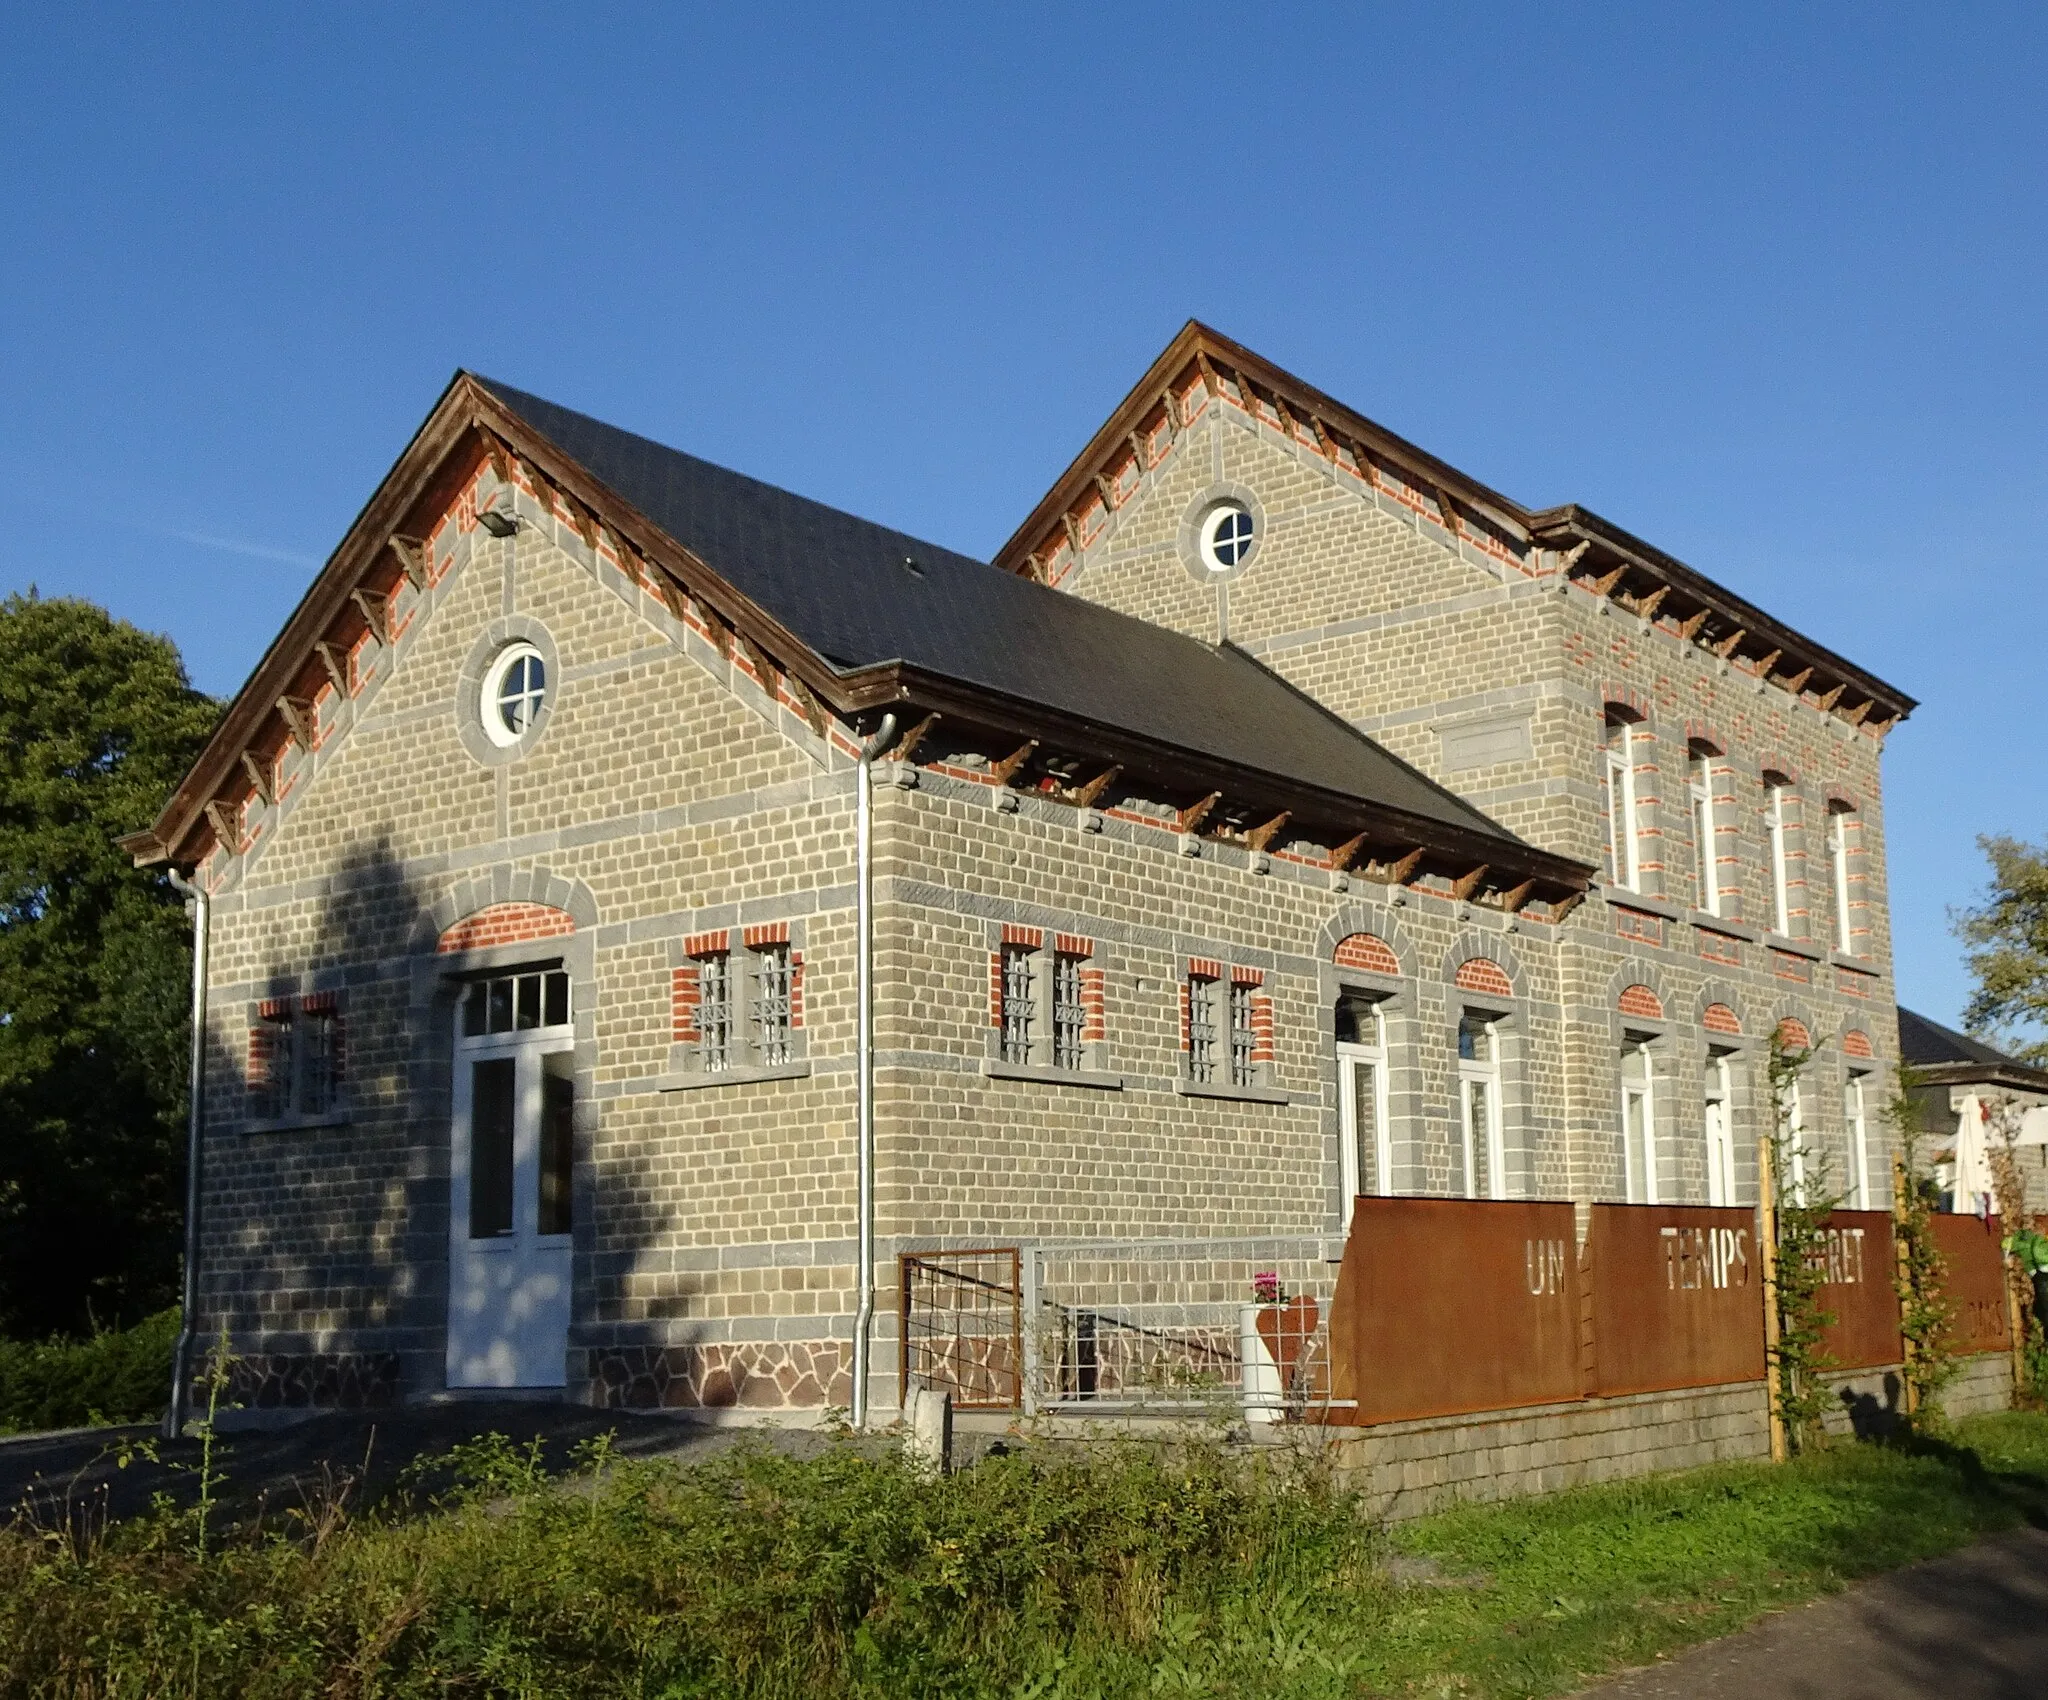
point(840, 585)
point(1928, 1044)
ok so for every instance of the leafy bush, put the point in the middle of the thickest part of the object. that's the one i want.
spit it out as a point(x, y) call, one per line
point(110, 1378)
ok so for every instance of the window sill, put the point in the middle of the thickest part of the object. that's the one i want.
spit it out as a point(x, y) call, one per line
point(1726, 927)
point(1236, 1094)
point(1855, 964)
point(697, 1079)
point(1622, 898)
point(1046, 1076)
point(1794, 947)
point(299, 1124)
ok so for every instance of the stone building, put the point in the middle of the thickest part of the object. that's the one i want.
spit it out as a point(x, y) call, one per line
point(1283, 815)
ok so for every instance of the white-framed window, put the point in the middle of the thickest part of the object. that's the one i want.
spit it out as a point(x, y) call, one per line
point(1839, 819)
point(514, 692)
point(1719, 1127)
point(1226, 536)
point(1204, 1039)
point(1624, 851)
point(1364, 1137)
point(1480, 1153)
point(1778, 806)
point(1639, 1120)
point(1700, 785)
point(1856, 1126)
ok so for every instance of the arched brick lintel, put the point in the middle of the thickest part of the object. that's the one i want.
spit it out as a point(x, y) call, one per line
point(503, 884)
point(1482, 974)
point(1639, 1000)
point(1719, 1018)
point(505, 923)
point(1368, 952)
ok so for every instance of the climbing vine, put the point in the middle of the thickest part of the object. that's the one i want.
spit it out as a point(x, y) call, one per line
point(1926, 1313)
point(1803, 1202)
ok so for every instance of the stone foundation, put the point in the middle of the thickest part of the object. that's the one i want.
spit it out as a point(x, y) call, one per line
point(1407, 1469)
point(1983, 1384)
point(347, 1381)
point(777, 1375)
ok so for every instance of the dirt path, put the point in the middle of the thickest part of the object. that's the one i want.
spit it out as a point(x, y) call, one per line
point(1971, 1626)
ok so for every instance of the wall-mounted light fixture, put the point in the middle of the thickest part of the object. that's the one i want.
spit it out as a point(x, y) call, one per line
point(497, 522)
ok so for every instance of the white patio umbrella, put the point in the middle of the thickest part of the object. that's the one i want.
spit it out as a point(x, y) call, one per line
point(2034, 1126)
point(1973, 1173)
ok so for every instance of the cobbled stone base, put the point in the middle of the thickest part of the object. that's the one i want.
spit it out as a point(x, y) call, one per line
point(781, 1375)
point(345, 1381)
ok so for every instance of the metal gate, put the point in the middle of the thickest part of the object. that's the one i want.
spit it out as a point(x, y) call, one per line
point(963, 1327)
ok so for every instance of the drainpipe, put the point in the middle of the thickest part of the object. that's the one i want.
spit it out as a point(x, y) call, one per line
point(201, 908)
point(864, 1044)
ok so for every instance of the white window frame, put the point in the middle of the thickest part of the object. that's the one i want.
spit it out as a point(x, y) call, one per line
point(1639, 1122)
point(1701, 785)
point(1776, 828)
point(1856, 1126)
point(1718, 1128)
point(1485, 1076)
point(1352, 1055)
point(496, 727)
point(1618, 767)
point(1838, 858)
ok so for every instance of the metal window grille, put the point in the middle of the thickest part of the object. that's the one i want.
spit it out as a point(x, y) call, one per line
point(316, 1062)
point(1201, 1028)
point(1069, 1018)
point(281, 1064)
point(714, 1008)
point(771, 1004)
point(1020, 1008)
point(1242, 1039)
point(963, 1327)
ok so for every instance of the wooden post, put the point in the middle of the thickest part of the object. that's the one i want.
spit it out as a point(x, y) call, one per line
point(1767, 1248)
point(1900, 1181)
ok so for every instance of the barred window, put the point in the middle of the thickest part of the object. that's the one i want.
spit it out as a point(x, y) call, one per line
point(1020, 1007)
point(274, 1065)
point(1202, 1037)
point(295, 1059)
point(1242, 1038)
point(714, 1008)
point(316, 1060)
point(1069, 1016)
point(771, 1004)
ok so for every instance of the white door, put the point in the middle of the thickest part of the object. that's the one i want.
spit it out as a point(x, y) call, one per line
point(1366, 1147)
point(511, 1183)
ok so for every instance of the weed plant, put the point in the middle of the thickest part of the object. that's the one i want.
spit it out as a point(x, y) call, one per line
point(1052, 1572)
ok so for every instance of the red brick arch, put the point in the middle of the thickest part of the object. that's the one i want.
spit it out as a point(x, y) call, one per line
point(1719, 1018)
point(506, 923)
point(1794, 1035)
point(1482, 974)
point(1857, 1044)
point(1369, 952)
point(1640, 1001)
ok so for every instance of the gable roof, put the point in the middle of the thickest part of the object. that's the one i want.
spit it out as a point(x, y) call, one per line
point(839, 583)
point(1591, 552)
point(830, 598)
point(1945, 1056)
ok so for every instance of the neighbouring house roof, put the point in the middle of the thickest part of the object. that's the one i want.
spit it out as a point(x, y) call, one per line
point(1943, 1056)
point(1202, 365)
point(830, 599)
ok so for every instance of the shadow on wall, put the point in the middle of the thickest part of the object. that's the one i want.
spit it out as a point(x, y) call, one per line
point(327, 1170)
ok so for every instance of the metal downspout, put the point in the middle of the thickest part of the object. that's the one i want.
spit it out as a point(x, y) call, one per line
point(864, 1043)
point(201, 907)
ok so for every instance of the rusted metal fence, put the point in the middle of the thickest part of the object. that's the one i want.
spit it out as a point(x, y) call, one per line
point(962, 1322)
point(1672, 1297)
point(1971, 1246)
point(1860, 1291)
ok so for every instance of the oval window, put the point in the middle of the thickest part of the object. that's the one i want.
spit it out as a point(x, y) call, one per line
point(515, 690)
point(1226, 536)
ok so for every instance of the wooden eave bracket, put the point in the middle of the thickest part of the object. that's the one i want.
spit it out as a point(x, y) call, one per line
point(376, 613)
point(1465, 885)
point(1090, 794)
point(1565, 905)
point(906, 746)
point(1689, 628)
point(500, 457)
point(1190, 818)
point(1012, 764)
point(1647, 606)
point(259, 777)
point(1604, 587)
point(1341, 857)
point(1834, 696)
point(1397, 873)
point(1573, 556)
point(1797, 682)
point(1261, 836)
point(336, 664)
point(411, 553)
point(1727, 647)
point(1512, 901)
point(226, 830)
point(297, 715)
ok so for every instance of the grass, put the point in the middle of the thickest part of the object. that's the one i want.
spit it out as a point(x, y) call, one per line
point(1052, 1574)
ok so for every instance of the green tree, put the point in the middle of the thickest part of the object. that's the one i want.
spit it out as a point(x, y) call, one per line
point(98, 723)
point(2007, 938)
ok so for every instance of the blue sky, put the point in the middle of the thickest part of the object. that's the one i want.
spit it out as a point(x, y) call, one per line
point(1763, 284)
